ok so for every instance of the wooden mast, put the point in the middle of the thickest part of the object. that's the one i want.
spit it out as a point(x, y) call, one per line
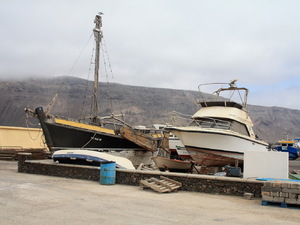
point(98, 37)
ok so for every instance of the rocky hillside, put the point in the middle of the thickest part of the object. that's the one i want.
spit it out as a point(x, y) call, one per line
point(141, 105)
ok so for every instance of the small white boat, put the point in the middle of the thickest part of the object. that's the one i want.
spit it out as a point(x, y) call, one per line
point(173, 165)
point(221, 131)
point(183, 153)
point(175, 145)
point(90, 157)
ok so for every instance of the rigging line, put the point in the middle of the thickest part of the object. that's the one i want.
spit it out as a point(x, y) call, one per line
point(80, 54)
point(43, 143)
point(113, 78)
point(50, 105)
point(107, 79)
point(231, 95)
point(242, 100)
point(87, 84)
point(27, 122)
point(90, 140)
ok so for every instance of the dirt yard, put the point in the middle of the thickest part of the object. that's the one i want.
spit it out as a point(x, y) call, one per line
point(36, 199)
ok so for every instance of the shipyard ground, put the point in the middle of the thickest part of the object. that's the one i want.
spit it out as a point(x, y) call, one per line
point(36, 199)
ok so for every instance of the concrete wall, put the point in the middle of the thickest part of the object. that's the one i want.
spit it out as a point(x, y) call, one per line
point(190, 182)
point(266, 165)
point(21, 138)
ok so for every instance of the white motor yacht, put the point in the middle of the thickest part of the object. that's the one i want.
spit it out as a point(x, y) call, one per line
point(221, 131)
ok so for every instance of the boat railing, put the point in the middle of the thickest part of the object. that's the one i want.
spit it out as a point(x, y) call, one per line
point(107, 122)
point(151, 131)
point(234, 93)
point(180, 119)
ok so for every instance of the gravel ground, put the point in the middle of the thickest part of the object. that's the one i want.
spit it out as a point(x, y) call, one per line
point(36, 199)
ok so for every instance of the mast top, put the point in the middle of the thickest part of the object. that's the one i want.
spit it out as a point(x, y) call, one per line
point(98, 22)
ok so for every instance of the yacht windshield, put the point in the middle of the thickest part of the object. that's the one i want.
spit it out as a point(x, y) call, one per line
point(225, 124)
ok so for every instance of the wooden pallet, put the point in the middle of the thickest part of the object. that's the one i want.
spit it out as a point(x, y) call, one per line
point(280, 204)
point(162, 185)
point(12, 154)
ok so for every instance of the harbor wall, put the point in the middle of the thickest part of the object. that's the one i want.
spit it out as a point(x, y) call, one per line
point(190, 182)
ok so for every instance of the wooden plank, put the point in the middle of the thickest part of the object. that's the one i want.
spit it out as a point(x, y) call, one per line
point(161, 186)
point(170, 180)
point(160, 183)
point(146, 141)
point(154, 186)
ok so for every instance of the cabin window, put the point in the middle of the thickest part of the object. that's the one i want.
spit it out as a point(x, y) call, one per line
point(212, 123)
point(221, 124)
point(240, 128)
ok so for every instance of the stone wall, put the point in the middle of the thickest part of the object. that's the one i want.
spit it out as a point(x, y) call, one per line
point(196, 182)
point(49, 168)
point(190, 182)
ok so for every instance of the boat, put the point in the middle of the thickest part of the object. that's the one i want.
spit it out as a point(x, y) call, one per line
point(294, 176)
point(291, 147)
point(90, 157)
point(172, 165)
point(221, 131)
point(297, 142)
point(173, 140)
point(183, 153)
point(94, 133)
point(176, 148)
point(147, 138)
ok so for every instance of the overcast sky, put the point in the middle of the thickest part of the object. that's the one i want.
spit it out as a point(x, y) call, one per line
point(175, 44)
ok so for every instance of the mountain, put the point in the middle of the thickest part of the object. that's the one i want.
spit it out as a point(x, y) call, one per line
point(141, 105)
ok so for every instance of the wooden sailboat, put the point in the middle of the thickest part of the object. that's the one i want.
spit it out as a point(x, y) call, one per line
point(65, 133)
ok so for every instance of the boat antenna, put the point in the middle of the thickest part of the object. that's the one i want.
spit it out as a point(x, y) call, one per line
point(232, 83)
point(98, 37)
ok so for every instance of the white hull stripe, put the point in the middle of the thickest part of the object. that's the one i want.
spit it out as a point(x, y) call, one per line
point(193, 148)
point(219, 133)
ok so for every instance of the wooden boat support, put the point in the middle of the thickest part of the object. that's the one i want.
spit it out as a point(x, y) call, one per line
point(164, 185)
point(152, 140)
point(12, 153)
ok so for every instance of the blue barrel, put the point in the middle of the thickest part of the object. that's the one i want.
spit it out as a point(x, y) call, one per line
point(108, 173)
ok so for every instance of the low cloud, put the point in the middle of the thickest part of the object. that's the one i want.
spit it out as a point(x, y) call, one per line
point(168, 44)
